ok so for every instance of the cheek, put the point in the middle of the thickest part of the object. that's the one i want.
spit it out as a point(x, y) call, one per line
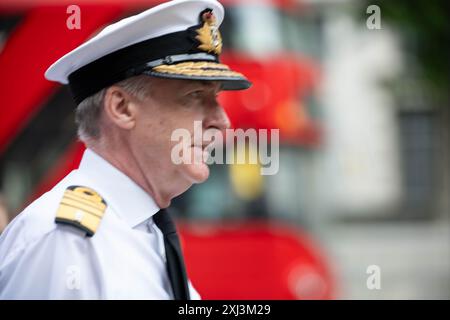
point(151, 134)
point(185, 121)
point(158, 125)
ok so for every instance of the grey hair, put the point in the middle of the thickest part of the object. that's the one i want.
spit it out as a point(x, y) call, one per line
point(88, 112)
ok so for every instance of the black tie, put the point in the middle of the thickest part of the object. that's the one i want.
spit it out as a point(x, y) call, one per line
point(175, 263)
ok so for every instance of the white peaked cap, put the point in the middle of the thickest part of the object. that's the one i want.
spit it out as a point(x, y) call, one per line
point(170, 40)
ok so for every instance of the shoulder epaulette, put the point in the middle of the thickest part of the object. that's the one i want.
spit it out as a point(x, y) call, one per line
point(82, 208)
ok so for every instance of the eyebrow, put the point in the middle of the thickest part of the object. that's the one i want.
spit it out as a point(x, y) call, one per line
point(205, 84)
point(211, 84)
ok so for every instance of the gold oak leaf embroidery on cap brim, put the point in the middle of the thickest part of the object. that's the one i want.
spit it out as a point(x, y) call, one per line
point(207, 69)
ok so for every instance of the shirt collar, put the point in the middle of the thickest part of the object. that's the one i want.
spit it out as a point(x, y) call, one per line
point(129, 200)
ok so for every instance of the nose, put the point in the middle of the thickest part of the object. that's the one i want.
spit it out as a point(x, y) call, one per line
point(217, 118)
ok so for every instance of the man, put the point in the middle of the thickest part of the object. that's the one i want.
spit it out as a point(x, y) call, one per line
point(102, 232)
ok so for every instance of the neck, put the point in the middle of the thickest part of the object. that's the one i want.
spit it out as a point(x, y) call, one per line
point(125, 160)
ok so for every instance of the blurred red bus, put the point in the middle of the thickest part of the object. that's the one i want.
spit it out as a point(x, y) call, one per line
point(238, 245)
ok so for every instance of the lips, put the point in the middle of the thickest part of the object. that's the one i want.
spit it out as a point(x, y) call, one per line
point(200, 152)
point(198, 147)
point(202, 146)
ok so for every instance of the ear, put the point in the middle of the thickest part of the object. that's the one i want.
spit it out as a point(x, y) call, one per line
point(119, 107)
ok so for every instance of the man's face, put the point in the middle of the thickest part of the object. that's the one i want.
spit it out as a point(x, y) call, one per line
point(175, 104)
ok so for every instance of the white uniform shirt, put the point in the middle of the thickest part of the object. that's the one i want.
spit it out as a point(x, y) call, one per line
point(125, 259)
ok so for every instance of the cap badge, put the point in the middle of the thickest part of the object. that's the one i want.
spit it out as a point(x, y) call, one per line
point(208, 35)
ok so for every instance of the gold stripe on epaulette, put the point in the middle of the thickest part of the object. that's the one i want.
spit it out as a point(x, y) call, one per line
point(82, 208)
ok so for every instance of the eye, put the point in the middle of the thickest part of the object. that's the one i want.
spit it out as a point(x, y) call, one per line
point(195, 94)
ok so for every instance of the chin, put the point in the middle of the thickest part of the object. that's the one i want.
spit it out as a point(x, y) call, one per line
point(195, 173)
point(201, 179)
point(200, 174)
